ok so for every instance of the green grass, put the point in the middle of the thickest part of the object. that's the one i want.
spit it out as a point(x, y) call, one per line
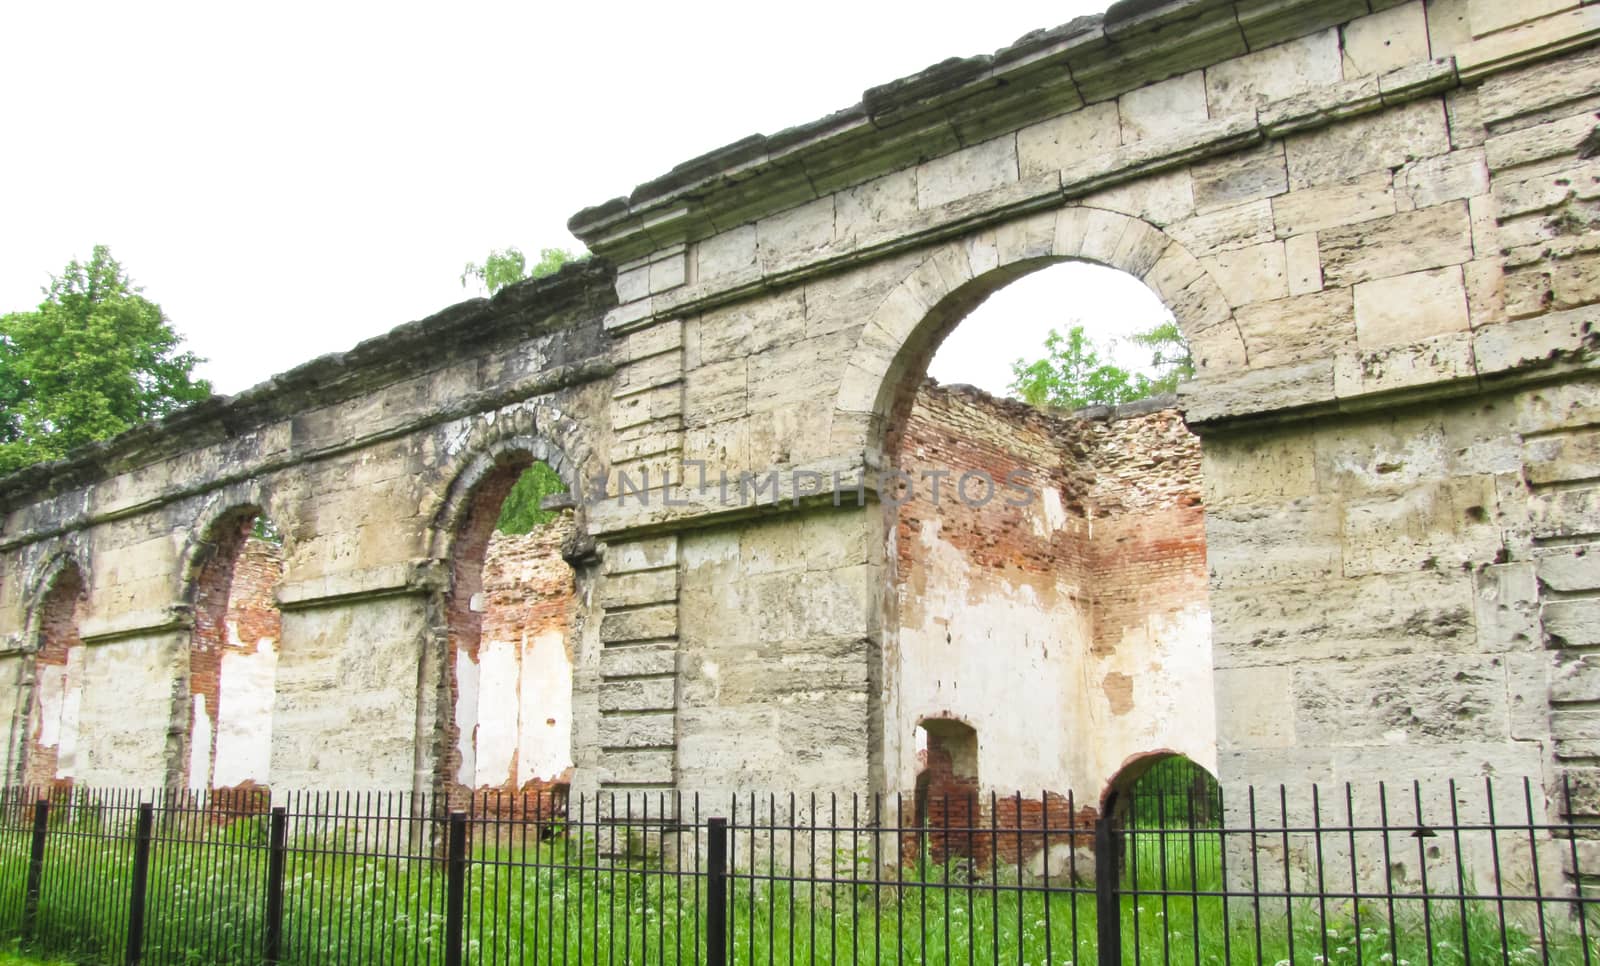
point(344, 909)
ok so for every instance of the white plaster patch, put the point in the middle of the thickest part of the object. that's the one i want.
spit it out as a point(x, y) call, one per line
point(466, 716)
point(244, 718)
point(546, 708)
point(200, 746)
point(498, 672)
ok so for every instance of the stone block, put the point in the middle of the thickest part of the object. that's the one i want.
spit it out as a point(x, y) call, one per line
point(1547, 35)
point(1226, 229)
point(1446, 524)
point(1257, 391)
point(649, 730)
point(1570, 570)
point(1375, 142)
point(669, 272)
point(1289, 542)
point(649, 766)
point(1564, 513)
point(1255, 708)
point(1410, 308)
point(1575, 678)
point(1512, 345)
point(638, 661)
point(869, 207)
point(1157, 110)
point(795, 236)
point(1445, 358)
point(715, 392)
point(1411, 241)
point(1572, 623)
point(1243, 176)
point(1459, 175)
point(1303, 264)
point(1161, 199)
point(1417, 612)
point(1064, 142)
point(1385, 41)
point(1562, 458)
point(728, 253)
point(1485, 283)
point(639, 587)
point(1243, 84)
point(1558, 139)
point(1405, 700)
point(1507, 608)
point(639, 694)
point(1526, 90)
point(1247, 275)
point(650, 554)
point(1300, 327)
point(1489, 16)
point(982, 167)
point(1268, 468)
point(1335, 204)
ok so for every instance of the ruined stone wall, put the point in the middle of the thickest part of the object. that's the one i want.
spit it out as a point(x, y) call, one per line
point(524, 674)
point(1065, 620)
point(1372, 220)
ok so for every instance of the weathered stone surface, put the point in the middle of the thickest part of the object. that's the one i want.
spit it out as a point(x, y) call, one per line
point(1385, 41)
point(1301, 327)
point(1245, 83)
point(1410, 241)
point(1380, 141)
point(1158, 109)
point(1409, 308)
point(1334, 205)
point(1063, 142)
point(1236, 179)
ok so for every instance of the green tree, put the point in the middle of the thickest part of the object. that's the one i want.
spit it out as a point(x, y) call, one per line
point(94, 359)
point(1170, 359)
point(1073, 375)
point(521, 512)
point(508, 265)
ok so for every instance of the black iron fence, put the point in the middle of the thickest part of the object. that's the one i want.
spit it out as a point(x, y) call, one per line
point(1382, 874)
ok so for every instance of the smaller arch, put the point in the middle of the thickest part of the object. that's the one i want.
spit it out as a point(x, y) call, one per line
point(220, 507)
point(42, 578)
point(507, 442)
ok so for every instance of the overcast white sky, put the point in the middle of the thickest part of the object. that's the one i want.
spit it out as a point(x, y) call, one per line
point(288, 179)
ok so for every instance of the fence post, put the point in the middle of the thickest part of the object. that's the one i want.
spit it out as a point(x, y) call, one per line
point(30, 902)
point(1107, 895)
point(277, 840)
point(717, 892)
point(141, 875)
point(455, 888)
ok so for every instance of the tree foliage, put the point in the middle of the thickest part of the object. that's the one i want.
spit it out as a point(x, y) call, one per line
point(1073, 374)
point(521, 512)
point(94, 359)
point(506, 266)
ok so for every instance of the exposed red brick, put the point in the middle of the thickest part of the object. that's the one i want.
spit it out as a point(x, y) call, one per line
point(60, 614)
point(234, 609)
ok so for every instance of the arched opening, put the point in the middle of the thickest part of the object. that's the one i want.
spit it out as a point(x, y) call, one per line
point(1048, 573)
point(947, 805)
point(1169, 810)
point(511, 611)
point(233, 654)
point(51, 744)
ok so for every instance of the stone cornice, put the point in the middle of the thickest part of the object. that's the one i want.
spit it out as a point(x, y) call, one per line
point(405, 351)
point(963, 101)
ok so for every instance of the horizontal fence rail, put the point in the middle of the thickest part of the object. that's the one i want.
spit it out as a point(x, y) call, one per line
point(1454, 873)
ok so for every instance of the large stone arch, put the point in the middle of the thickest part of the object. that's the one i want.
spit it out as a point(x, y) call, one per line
point(907, 326)
point(219, 507)
point(57, 590)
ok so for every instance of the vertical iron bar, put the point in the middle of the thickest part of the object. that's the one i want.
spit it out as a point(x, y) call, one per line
point(30, 903)
point(455, 887)
point(277, 838)
point(1108, 904)
point(141, 873)
point(717, 891)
